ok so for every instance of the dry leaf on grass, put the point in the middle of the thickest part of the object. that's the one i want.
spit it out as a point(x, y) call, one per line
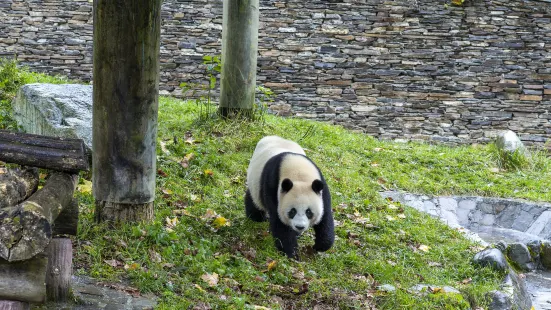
point(210, 279)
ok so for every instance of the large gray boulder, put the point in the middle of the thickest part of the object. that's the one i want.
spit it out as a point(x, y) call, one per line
point(61, 110)
point(509, 142)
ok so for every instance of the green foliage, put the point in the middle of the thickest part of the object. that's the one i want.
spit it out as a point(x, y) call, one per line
point(11, 78)
point(213, 67)
point(521, 161)
point(517, 160)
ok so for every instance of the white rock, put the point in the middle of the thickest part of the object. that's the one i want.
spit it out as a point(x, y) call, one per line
point(509, 141)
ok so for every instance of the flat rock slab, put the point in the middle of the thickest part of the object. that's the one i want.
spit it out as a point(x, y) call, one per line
point(539, 287)
point(59, 110)
point(91, 294)
point(513, 220)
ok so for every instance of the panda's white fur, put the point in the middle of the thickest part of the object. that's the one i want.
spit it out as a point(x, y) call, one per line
point(294, 167)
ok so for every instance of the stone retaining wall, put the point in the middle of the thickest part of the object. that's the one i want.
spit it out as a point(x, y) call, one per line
point(394, 69)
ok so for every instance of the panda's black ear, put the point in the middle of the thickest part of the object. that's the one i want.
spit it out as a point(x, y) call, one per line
point(317, 186)
point(286, 185)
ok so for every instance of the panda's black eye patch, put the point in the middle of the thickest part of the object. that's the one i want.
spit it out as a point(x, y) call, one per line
point(292, 213)
point(309, 214)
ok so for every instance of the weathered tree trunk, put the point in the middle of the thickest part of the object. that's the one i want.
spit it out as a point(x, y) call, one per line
point(58, 273)
point(27, 228)
point(14, 305)
point(126, 87)
point(61, 154)
point(239, 54)
point(17, 185)
point(24, 281)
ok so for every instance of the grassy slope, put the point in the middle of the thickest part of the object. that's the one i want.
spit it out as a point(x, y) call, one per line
point(371, 248)
point(375, 245)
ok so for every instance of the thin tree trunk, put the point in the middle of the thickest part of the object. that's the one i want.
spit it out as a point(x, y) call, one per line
point(58, 273)
point(126, 87)
point(239, 55)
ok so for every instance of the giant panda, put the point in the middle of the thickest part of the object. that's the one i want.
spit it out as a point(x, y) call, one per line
point(287, 188)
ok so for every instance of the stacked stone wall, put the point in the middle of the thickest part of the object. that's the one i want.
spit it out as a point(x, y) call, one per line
point(394, 69)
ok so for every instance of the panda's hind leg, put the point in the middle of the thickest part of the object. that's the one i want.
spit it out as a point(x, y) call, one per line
point(252, 211)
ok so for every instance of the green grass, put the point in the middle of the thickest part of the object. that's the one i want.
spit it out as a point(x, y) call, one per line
point(377, 242)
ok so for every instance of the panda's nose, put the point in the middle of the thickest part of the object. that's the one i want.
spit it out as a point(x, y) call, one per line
point(299, 227)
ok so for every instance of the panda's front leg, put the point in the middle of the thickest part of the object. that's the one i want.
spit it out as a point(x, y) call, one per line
point(325, 232)
point(285, 237)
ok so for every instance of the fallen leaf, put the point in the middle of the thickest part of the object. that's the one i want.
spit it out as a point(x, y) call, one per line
point(180, 204)
point(185, 162)
point(112, 262)
point(208, 172)
point(272, 265)
point(467, 281)
point(190, 140)
point(171, 223)
point(194, 198)
point(154, 256)
point(436, 290)
point(163, 148)
point(220, 222)
point(181, 212)
point(168, 265)
point(424, 248)
point(132, 266)
point(197, 286)
point(391, 206)
point(209, 214)
point(85, 187)
point(210, 279)
point(162, 173)
point(166, 191)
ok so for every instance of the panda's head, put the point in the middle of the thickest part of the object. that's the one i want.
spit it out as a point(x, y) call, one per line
point(300, 203)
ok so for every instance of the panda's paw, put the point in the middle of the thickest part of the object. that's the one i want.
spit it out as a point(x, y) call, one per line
point(322, 247)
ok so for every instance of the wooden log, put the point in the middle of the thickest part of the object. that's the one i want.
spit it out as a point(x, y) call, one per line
point(126, 92)
point(24, 281)
point(27, 228)
point(17, 185)
point(66, 223)
point(60, 154)
point(239, 54)
point(14, 305)
point(58, 273)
